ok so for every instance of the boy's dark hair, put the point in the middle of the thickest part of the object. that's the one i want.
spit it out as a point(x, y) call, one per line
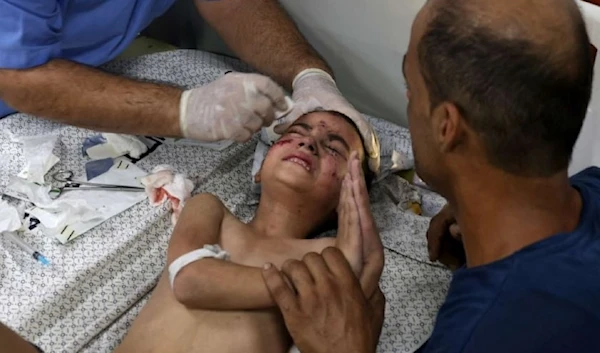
point(526, 100)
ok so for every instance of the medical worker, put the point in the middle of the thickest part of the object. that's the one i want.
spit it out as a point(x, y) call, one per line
point(49, 51)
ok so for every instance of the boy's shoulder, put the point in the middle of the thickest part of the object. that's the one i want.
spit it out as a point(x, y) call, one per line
point(207, 199)
point(207, 203)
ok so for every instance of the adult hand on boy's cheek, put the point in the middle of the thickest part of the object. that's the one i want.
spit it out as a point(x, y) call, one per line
point(328, 310)
point(372, 248)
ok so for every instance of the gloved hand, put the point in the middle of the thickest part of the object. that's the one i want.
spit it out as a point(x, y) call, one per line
point(315, 89)
point(233, 107)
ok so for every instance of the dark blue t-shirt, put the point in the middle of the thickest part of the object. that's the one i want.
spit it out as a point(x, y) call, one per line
point(544, 298)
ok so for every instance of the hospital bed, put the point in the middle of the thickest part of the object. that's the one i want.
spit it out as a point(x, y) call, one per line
point(89, 297)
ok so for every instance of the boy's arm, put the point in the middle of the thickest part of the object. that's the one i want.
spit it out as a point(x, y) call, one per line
point(212, 284)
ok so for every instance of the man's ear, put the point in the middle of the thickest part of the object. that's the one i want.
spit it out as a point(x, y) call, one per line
point(447, 126)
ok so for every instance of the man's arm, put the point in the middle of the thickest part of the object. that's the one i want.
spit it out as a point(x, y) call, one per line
point(326, 311)
point(82, 96)
point(212, 284)
point(12, 342)
point(262, 34)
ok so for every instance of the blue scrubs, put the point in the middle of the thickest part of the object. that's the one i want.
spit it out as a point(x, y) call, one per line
point(544, 298)
point(90, 32)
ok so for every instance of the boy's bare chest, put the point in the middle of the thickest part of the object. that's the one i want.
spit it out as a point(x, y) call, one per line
point(247, 248)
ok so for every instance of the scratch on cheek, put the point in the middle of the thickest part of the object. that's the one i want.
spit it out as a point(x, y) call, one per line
point(338, 176)
point(282, 142)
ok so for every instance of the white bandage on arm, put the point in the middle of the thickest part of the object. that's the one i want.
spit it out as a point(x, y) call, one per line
point(208, 251)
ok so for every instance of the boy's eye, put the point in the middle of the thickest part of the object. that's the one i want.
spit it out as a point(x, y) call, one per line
point(294, 130)
point(333, 151)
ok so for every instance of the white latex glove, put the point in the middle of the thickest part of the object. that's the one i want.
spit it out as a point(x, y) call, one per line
point(314, 90)
point(233, 107)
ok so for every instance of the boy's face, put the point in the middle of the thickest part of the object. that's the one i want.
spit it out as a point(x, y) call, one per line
point(312, 156)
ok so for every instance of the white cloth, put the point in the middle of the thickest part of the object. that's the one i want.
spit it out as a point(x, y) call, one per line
point(77, 211)
point(39, 158)
point(163, 184)
point(208, 251)
point(10, 220)
point(117, 145)
point(53, 214)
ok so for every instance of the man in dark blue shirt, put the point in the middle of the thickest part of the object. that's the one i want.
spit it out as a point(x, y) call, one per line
point(508, 87)
point(542, 298)
point(498, 92)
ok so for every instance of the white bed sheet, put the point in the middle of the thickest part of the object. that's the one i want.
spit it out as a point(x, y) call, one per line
point(98, 283)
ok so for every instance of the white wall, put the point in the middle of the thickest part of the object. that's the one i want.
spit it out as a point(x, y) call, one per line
point(364, 41)
point(587, 148)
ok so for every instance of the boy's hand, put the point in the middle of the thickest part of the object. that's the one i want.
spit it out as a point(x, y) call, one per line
point(349, 238)
point(372, 248)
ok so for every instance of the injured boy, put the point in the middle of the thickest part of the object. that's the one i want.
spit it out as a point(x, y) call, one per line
point(213, 297)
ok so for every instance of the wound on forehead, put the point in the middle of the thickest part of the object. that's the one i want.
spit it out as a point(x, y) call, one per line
point(368, 173)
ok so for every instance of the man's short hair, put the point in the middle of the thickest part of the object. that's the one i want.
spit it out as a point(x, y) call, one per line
point(526, 102)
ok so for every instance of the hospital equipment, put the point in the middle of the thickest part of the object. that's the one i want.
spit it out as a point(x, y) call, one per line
point(27, 248)
point(66, 176)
